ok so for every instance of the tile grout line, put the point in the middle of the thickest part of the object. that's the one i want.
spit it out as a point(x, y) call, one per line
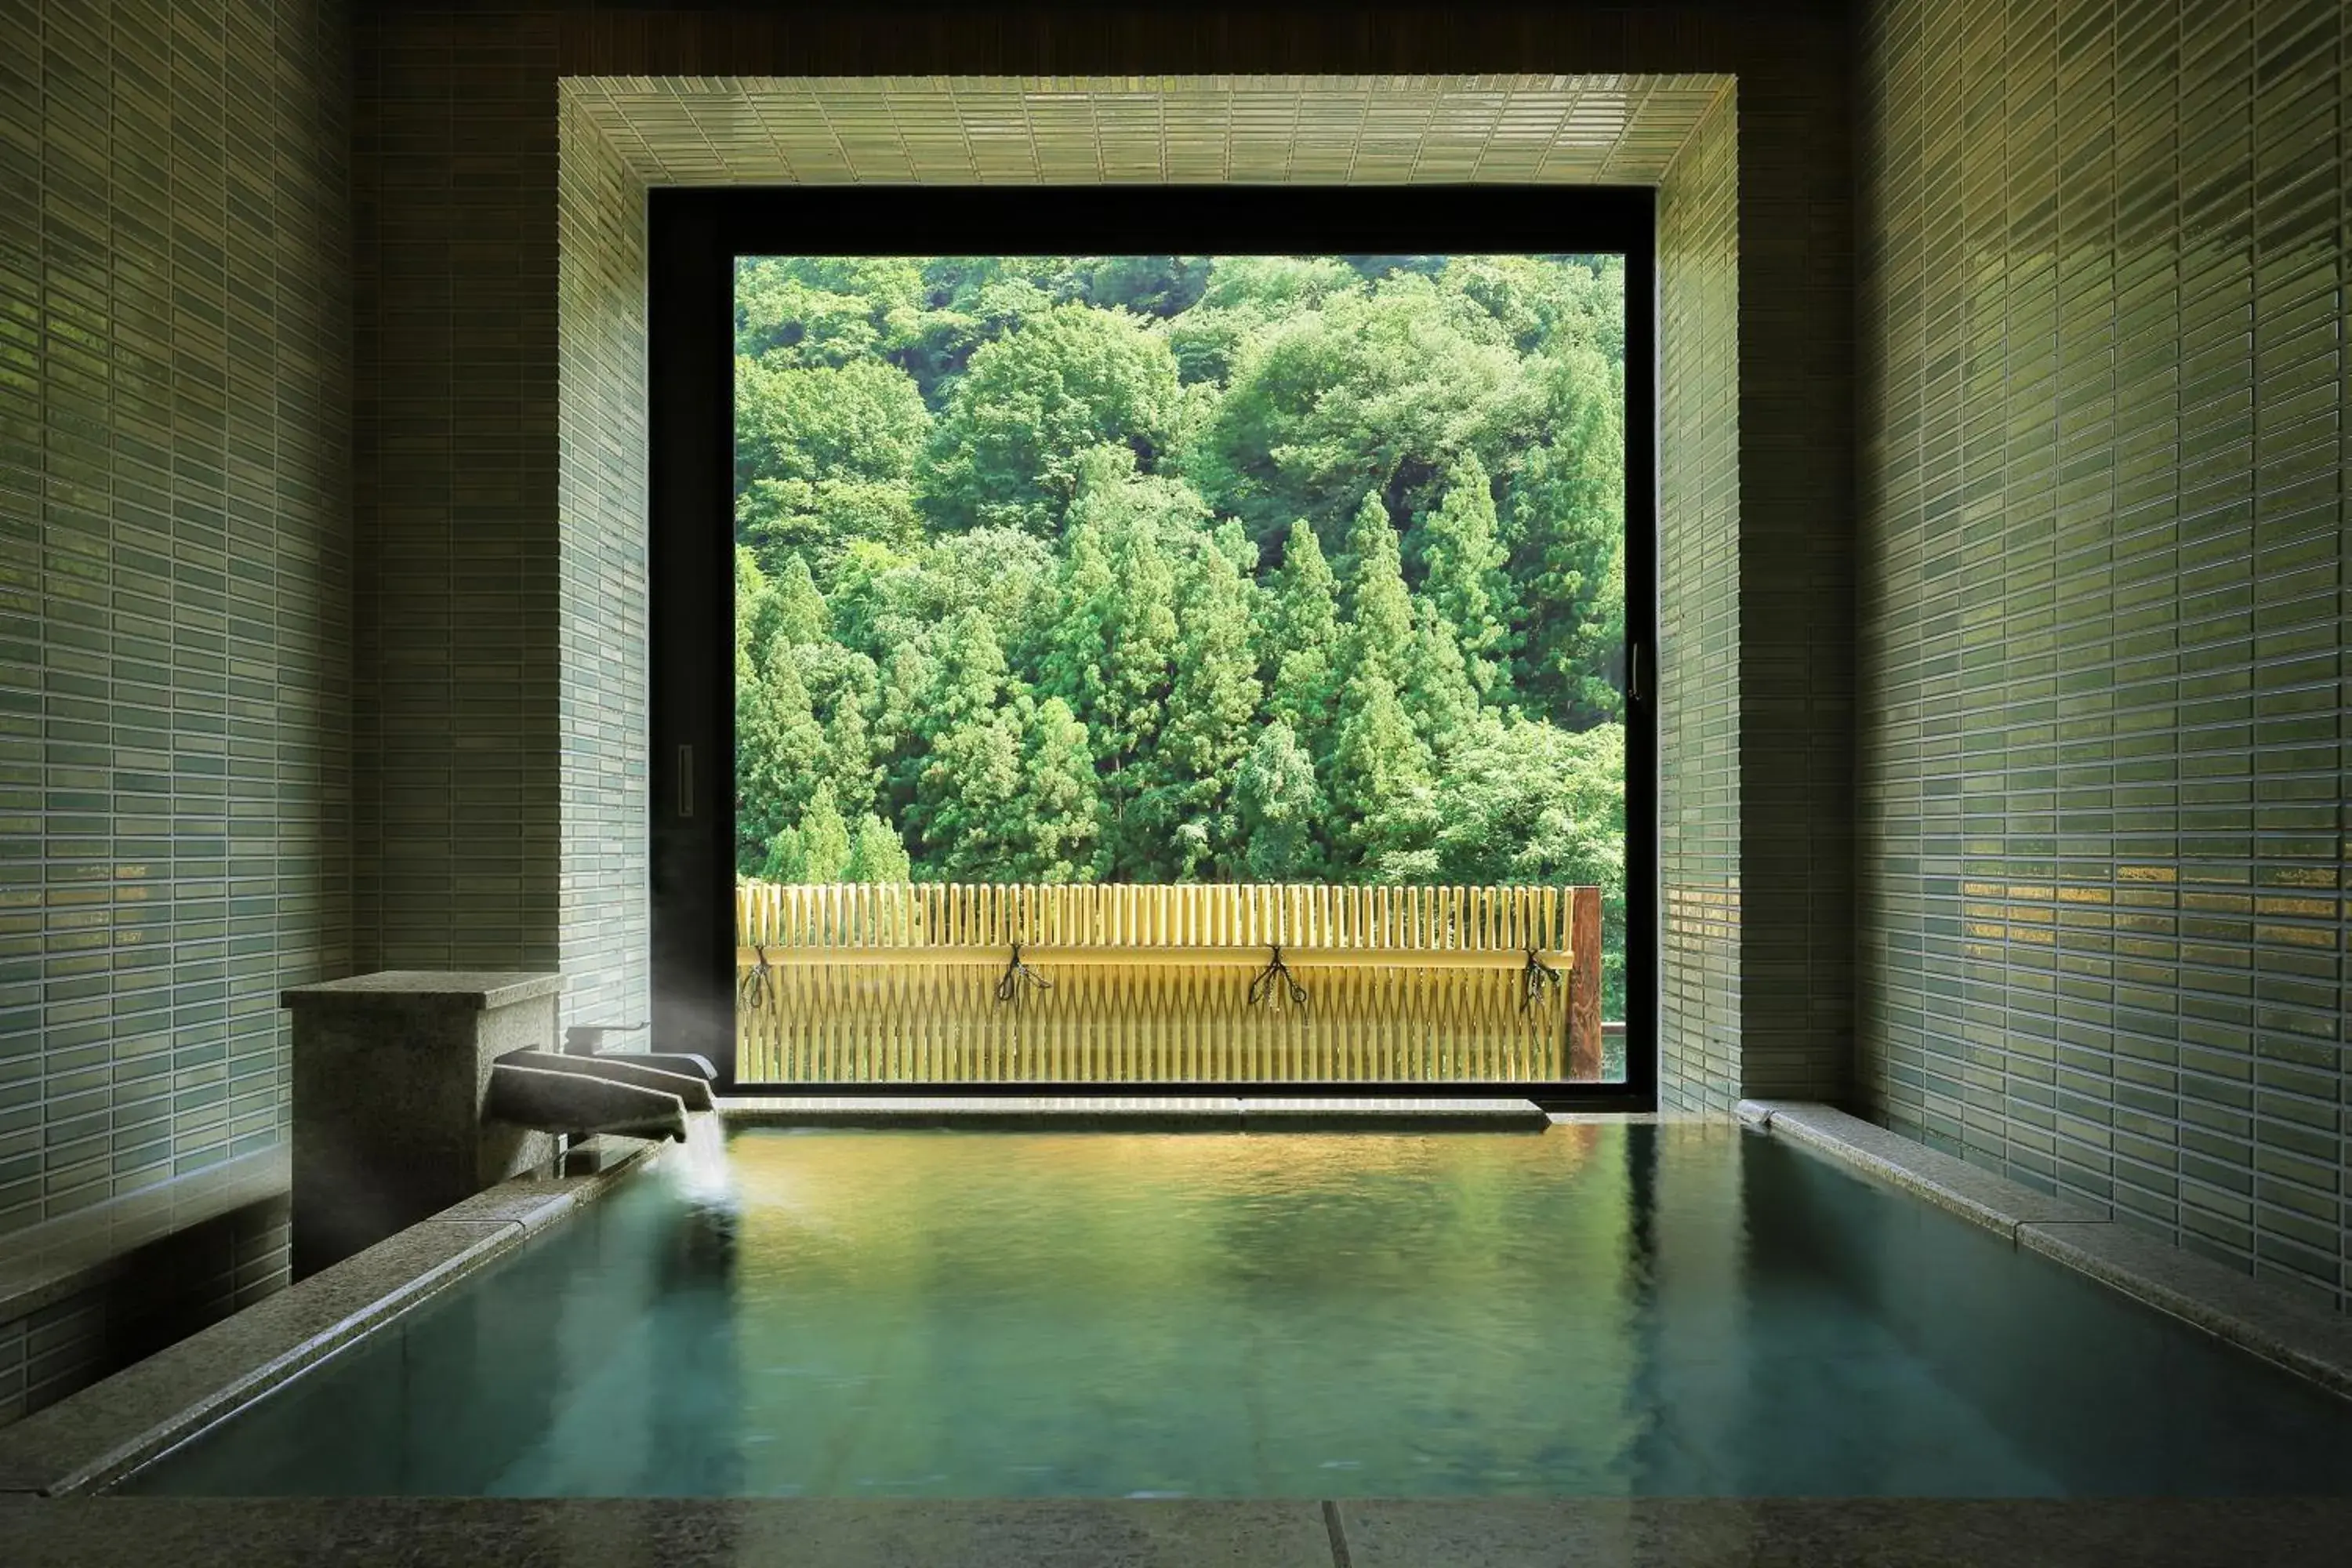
point(1331, 1523)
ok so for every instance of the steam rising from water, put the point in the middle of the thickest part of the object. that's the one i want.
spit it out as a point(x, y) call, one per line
point(699, 1167)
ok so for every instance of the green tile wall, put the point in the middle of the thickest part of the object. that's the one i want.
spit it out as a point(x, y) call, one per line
point(499, 733)
point(458, 728)
point(175, 578)
point(2101, 607)
point(1755, 552)
point(603, 909)
point(1698, 623)
point(152, 1295)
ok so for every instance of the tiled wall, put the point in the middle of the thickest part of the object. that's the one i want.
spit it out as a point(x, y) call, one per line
point(174, 579)
point(1755, 433)
point(150, 1297)
point(1699, 625)
point(174, 641)
point(2103, 707)
point(501, 606)
point(458, 735)
point(601, 496)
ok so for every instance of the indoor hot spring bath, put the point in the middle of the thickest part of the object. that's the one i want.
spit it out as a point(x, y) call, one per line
point(1599, 1309)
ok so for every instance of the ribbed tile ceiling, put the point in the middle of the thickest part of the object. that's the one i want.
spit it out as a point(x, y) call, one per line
point(1243, 129)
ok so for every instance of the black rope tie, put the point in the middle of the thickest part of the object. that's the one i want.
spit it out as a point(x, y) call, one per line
point(1017, 977)
point(1276, 984)
point(1537, 981)
point(754, 986)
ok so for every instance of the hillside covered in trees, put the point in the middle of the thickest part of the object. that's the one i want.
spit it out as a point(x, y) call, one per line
point(1180, 568)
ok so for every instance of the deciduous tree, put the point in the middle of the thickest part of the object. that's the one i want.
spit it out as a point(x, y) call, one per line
point(1030, 406)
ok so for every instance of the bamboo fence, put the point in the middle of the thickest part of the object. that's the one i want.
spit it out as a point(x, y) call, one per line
point(913, 983)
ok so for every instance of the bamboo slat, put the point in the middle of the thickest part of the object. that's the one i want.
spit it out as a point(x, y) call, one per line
point(1173, 915)
point(898, 1020)
point(847, 984)
point(1210, 957)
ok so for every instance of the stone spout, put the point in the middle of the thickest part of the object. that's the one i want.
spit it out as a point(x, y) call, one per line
point(569, 1099)
point(668, 1061)
point(693, 1089)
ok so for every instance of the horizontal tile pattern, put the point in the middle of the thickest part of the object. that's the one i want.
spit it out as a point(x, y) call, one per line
point(175, 589)
point(174, 580)
point(156, 1295)
point(2102, 736)
point(1699, 619)
point(602, 909)
point(457, 726)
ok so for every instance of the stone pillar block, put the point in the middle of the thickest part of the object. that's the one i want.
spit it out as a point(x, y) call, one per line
point(391, 1071)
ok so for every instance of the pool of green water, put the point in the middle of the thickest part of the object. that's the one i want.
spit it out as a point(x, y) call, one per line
point(1602, 1308)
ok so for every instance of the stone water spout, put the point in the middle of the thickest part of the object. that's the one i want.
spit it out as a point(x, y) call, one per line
point(587, 1089)
point(415, 1089)
point(575, 1094)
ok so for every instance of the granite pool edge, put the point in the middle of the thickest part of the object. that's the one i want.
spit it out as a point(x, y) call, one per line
point(96, 1436)
point(2314, 1344)
point(1493, 1532)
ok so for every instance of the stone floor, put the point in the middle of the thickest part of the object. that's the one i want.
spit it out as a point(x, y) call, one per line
point(293, 1533)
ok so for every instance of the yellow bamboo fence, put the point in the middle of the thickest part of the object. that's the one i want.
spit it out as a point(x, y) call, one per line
point(1166, 984)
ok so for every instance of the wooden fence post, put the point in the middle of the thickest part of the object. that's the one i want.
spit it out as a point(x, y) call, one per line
point(1584, 986)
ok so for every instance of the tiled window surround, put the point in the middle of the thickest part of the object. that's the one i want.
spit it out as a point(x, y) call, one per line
point(1679, 133)
point(2103, 711)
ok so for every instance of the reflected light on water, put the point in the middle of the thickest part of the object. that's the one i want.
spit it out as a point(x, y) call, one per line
point(1596, 1309)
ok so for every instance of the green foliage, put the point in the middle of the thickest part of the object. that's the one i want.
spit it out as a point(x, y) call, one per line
point(1545, 304)
point(1279, 809)
point(780, 753)
point(863, 420)
point(875, 855)
point(966, 810)
point(1062, 808)
point(824, 309)
point(1383, 391)
point(1380, 777)
point(1437, 692)
point(1212, 703)
point(1298, 634)
point(1147, 285)
point(1466, 581)
point(1380, 610)
point(825, 454)
point(1071, 568)
point(1111, 656)
point(799, 610)
point(1031, 405)
point(1530, 802)
point(1568, 511)
point(816, 849)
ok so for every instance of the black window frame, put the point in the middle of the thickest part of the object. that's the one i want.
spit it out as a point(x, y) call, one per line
point(694, 238)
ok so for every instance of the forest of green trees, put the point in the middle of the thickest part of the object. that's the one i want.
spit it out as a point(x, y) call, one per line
point(1182, 568)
